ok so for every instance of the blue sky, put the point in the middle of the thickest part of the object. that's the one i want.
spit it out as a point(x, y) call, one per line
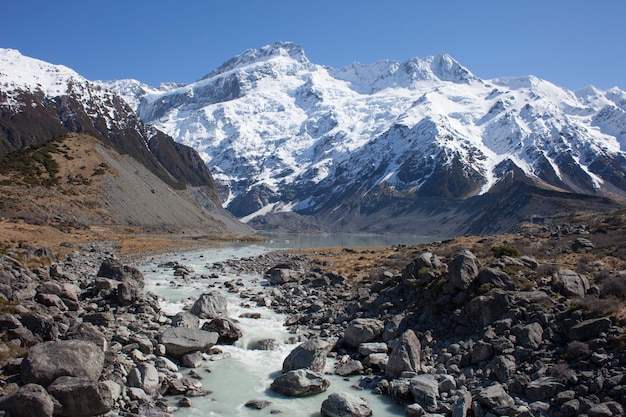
point(571, 43)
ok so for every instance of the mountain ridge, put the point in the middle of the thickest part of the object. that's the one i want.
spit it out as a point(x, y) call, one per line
point(282, 134)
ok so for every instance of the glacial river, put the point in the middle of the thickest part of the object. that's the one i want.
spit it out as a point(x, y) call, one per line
point(247, 374)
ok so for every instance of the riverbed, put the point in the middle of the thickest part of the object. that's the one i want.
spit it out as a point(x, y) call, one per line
point(241, 374)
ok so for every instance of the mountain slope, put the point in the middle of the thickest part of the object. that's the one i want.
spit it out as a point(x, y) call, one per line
point(284, 135)
point(41, 102)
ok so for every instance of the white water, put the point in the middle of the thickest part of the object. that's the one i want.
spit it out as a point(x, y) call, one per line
point(246, 374)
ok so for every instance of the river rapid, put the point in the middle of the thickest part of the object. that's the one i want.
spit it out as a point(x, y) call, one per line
point(241, 374)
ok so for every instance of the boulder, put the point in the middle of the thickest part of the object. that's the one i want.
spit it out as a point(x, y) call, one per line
point(264, 344)
point(503, 367)
point(258, 404)
point(589, 329)
point(300, 383)
point(144, 376)
point(210, 306)
point(425, 390)
point(31, 400)
point(349, 367)
point(227, 329)
point(569, 283)
point(47, 361)
point(181, 340)
point(495, 397)
point(343, 404)
point(310, 354)
point(89, 332)
point(113, 269)
point(582, 245)
point(496, 278)
point(529, 336)
point(282, 275)
point(543, 388)
point(362, 331)
point(368, 348)
point(405, 356)
point(186, 319)
point(463, 270)
point(486, 309)
point(80, 397)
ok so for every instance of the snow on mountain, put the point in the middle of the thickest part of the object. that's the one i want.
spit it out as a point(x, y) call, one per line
point(282, 133)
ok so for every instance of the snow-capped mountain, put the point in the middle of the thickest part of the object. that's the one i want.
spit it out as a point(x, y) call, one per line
point(282, 134)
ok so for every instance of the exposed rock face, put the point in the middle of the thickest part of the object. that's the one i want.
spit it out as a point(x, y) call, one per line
point(300, 383)
point(343, 404)
point(308, 355)
point(47, 361)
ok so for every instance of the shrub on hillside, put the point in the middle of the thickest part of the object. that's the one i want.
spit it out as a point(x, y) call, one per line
point(505, 250)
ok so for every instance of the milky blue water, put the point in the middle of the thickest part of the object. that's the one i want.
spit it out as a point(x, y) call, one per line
point(247, 374)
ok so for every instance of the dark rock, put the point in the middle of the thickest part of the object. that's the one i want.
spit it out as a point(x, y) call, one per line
point(362, 330)
point(349, 367)
point(31, 400)
point(496, 278)
point(343, 404)
point(310, 354)
point(300, 383)
point(281, 275)
point(495, 397)
point(569, 283)
point(80, 397)
point(589, 329)
point(264, 344)
point(425, 390)
point(486, 309)
point(186, 319)
point(47, 361)
point(144, 376)
point(258, 404)
point(543, 388)
point(181, 340)
point(463, 270)
point(227, 329)
point(405, 356)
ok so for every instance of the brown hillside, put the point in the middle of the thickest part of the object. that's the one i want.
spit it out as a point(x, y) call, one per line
point(77, 183)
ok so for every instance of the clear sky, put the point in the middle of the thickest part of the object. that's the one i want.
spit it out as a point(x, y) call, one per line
point(572, 43)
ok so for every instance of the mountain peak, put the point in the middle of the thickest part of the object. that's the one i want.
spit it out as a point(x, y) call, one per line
point(447, 68)
point(267, 52)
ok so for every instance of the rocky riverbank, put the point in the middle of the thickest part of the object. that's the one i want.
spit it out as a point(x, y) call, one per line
point(529, 324)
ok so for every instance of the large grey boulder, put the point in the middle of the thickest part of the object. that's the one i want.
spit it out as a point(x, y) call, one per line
point(300, 383)
point(47, 361)
point(181, 340)
point(343, 404)
point(362, 331)
point(569, 283)
point(282, 274)
point(530, 336)
point(186, 319)
point(80, 397)
point(504, 367)
point(463, 270)
point(31, 400)
point(113, 269)
point(144, 376)
point(227, 329)
point(405, 356)
point(425, 389)
point(210, 306)
point(310, 355)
